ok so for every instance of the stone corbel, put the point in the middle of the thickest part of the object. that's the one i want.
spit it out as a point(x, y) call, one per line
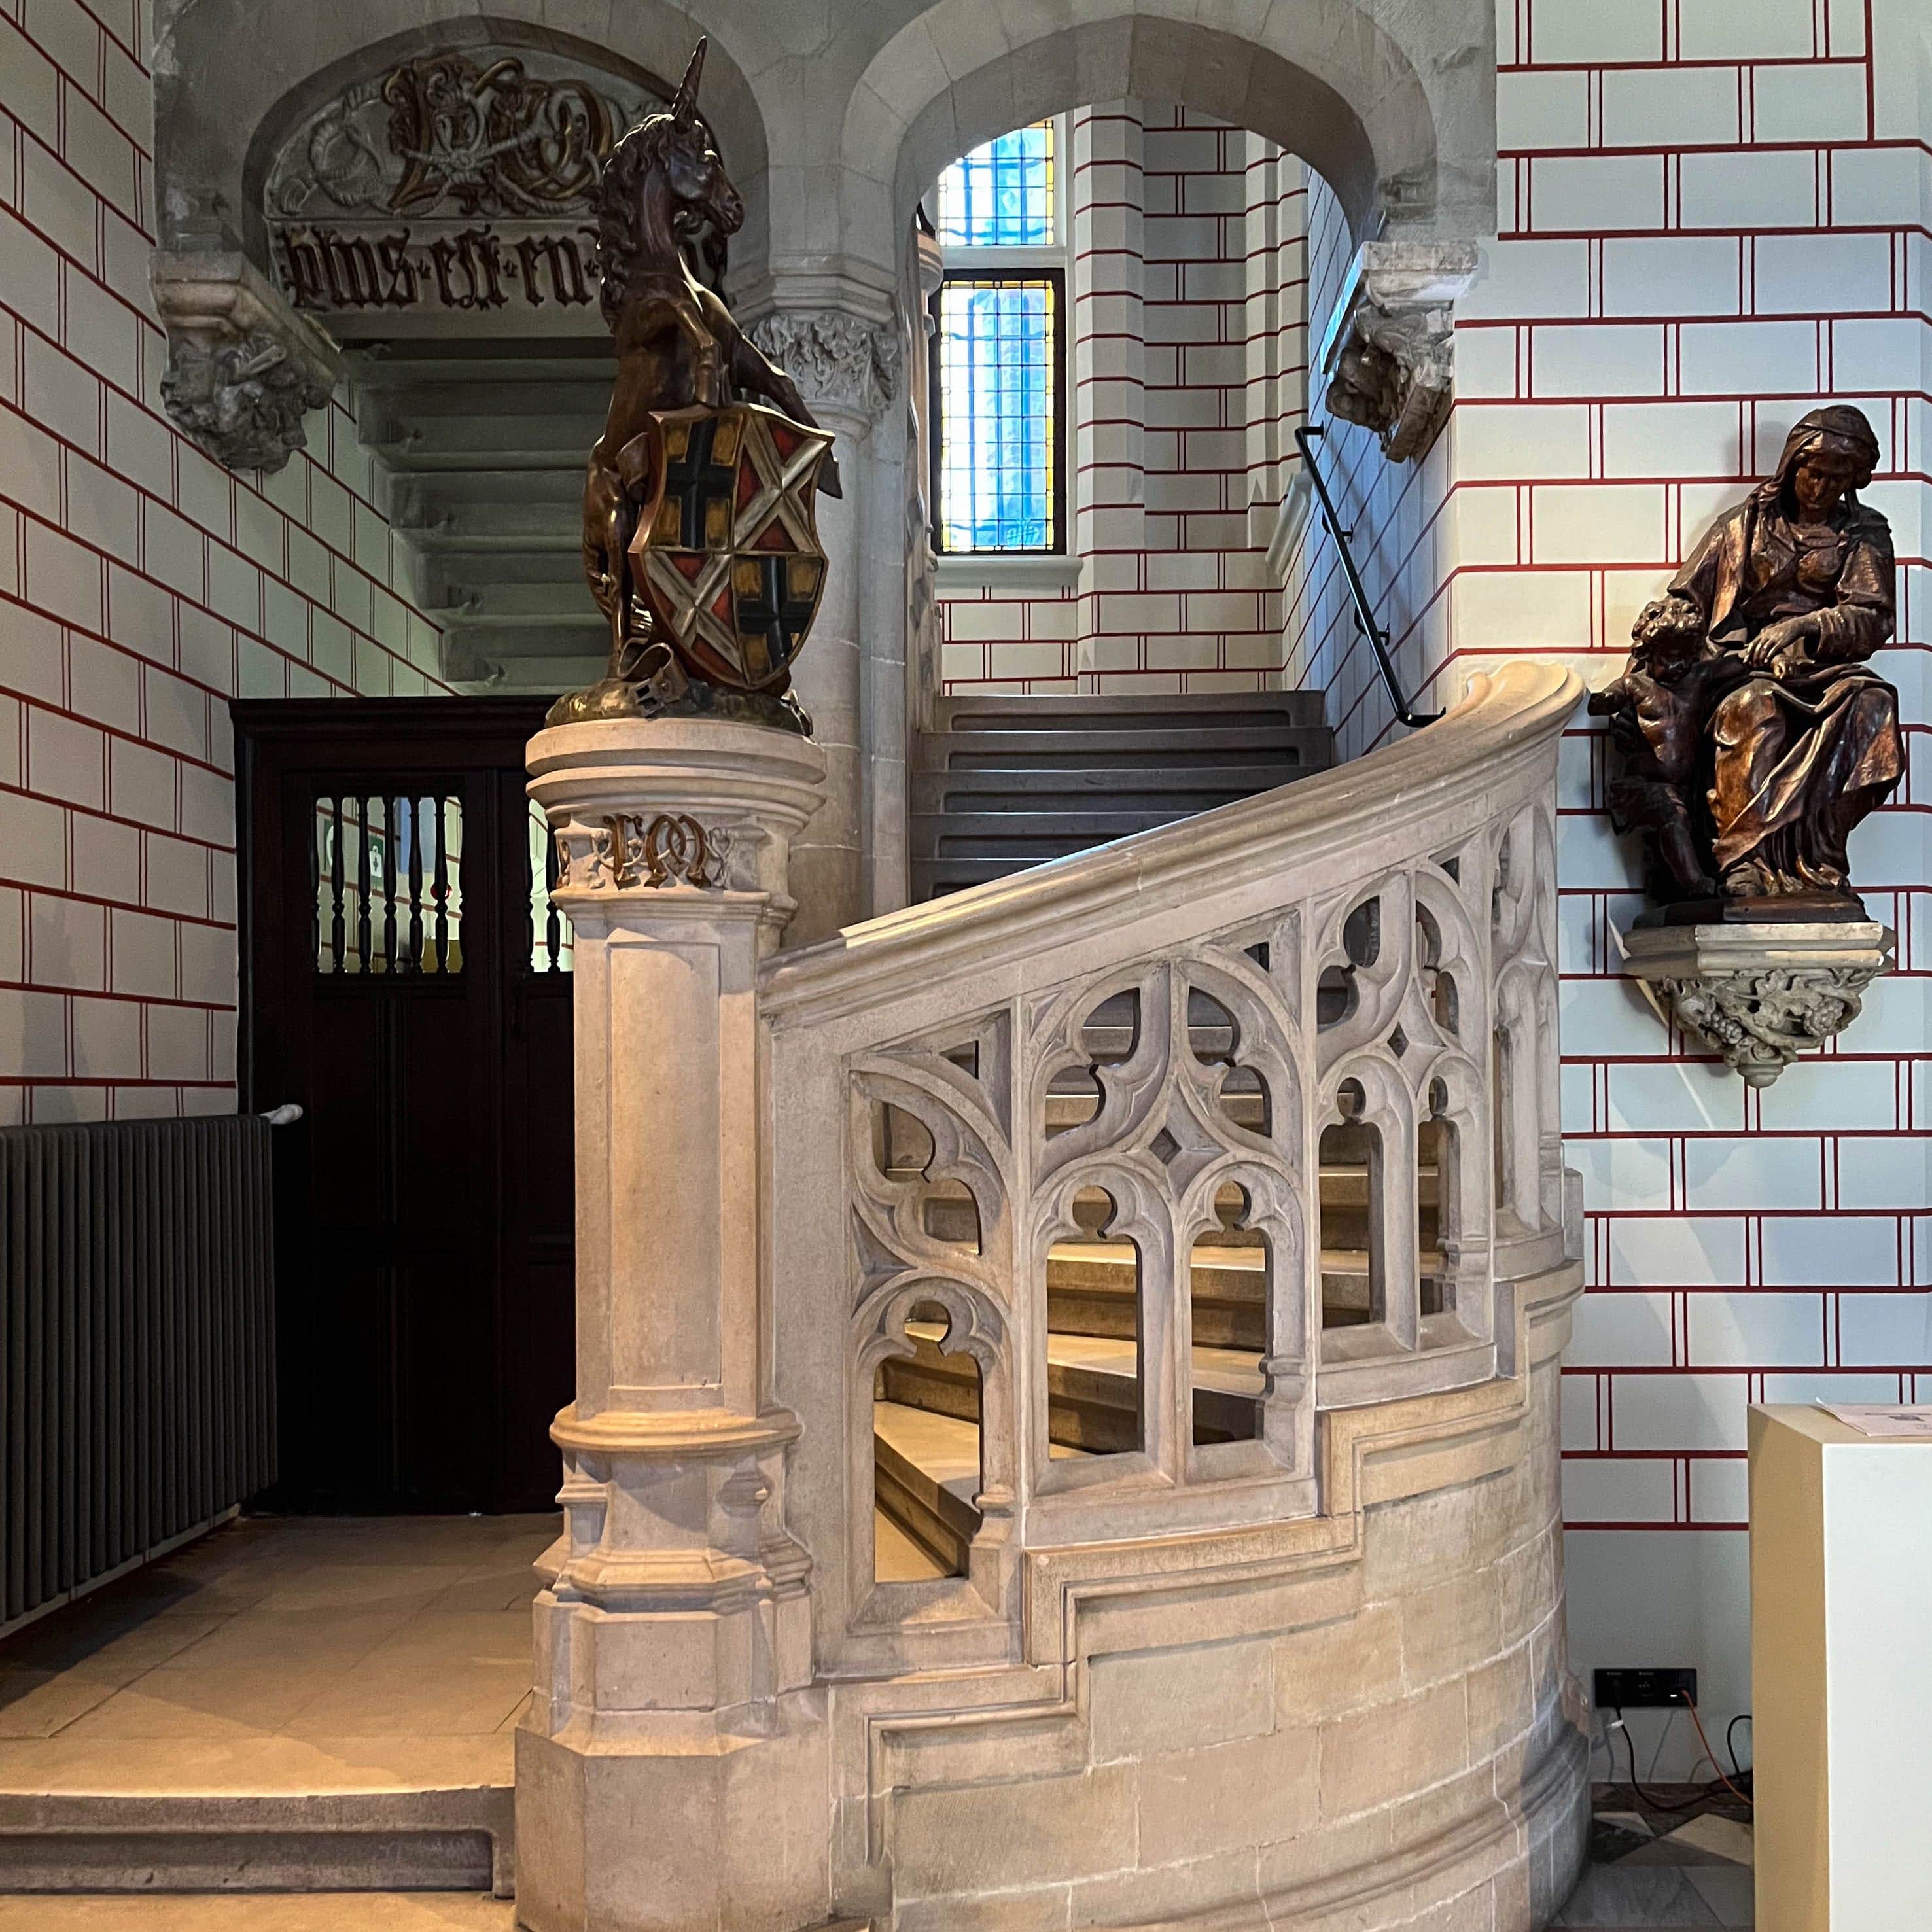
point(243, 367)
point(1389, 353)
point(1760, 993)
point(840, 361)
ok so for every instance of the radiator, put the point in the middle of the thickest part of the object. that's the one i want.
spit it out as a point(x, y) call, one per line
point(137, 1346)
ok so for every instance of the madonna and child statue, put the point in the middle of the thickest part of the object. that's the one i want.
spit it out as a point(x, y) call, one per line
point(1754, 733)
point(701, 541)
point(1755, 736)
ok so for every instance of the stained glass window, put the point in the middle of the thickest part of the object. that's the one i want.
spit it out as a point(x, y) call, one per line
point(1001, 195)
point(997, 356)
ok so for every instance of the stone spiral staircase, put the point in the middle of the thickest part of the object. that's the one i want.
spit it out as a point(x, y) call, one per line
point(1003, 783)
point(926, 1404)
point(480, 446)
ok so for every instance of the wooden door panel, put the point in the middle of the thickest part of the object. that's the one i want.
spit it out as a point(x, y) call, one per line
point(425, 1219)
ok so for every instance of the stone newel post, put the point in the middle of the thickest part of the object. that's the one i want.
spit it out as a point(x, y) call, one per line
point(667, 1770)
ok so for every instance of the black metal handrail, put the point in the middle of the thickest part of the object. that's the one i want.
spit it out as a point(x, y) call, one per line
point(1365, 616)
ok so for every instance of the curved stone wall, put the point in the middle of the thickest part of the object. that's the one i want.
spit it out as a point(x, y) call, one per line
point(1381, 1732)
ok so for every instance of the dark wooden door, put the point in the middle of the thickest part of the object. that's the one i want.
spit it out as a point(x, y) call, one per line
point(405, 981)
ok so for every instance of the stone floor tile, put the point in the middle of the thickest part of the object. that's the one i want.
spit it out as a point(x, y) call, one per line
point(1729, 1890)
point(328, 1912)
point(1619, 1896)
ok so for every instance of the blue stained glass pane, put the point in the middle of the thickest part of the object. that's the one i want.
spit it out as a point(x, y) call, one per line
point(1001, 195)
point(998, 401)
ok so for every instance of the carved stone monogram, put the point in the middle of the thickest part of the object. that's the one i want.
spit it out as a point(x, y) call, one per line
point(459, 181)
point(672, 849)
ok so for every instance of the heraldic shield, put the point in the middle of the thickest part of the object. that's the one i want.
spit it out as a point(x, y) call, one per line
point(726, 552)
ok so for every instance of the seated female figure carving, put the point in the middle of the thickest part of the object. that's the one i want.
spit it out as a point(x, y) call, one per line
point(1755, 737)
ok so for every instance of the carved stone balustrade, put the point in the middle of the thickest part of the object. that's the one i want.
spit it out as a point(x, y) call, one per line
point(1066, 1428)
point(1264, 1561)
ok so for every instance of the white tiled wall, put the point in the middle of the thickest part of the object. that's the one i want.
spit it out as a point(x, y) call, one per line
point(141, 586)
point(1651, 322)
point(1187, 343)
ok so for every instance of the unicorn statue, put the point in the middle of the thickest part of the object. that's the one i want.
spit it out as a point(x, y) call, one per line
point(701, 541)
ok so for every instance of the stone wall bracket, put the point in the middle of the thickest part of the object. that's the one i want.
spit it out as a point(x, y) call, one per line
point(243, 367)
point(1761, 994)
point(1389, 355)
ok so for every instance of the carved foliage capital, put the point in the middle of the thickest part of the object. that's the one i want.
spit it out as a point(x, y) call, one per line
point(243, 368)
point(838, 360)
point(1760, 996)
point(1389, 354)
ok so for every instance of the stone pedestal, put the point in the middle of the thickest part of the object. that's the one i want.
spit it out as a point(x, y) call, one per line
point(671, 1772)
point(1841, 1674)
point(1761, 994)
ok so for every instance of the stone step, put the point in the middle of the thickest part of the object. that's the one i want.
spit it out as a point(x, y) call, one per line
point(482, 361)
point(515, 442)
point(255, 1815)
point(551, 494)
point(1030, 836)
point(1228, 747)
point(1093, 1397)
point(1180, 790)
point(926, 1473)
point(1297, 707)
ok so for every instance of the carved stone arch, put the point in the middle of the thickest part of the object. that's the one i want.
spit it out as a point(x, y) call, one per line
point(1520, 1100)
point(1389, 1106)
point(1465, 1209)
point(968, 1148)
point(232, 76)
point(1131, 1089)
point(1519, 857)
point(975, 1327)
point(1277, 1209)
point(1379, 987)
point(1464, 955)
point(1400, 119)
point(1137, 1185)
point(1265, 1033)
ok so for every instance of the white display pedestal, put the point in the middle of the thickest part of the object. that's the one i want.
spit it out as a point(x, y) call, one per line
point(1841, 1674)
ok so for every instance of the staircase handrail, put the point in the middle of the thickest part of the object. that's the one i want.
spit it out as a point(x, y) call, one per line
point(1365, 615)
point(1505, 719)
point(1170, 1024)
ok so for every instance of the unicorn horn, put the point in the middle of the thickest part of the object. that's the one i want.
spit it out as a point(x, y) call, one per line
point(685, 107)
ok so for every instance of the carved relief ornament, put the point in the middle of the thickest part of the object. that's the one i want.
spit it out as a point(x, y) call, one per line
point(1389, 355)
point(839, 362)
point(625, 853)
point(243, 369)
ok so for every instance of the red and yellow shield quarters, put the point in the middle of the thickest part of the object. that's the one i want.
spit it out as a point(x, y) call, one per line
point(726, 551)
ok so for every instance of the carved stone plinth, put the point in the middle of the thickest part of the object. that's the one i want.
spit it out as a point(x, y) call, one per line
point(1763, 994)
point(243, 368)
point(1389, 354)
point(671, 1769)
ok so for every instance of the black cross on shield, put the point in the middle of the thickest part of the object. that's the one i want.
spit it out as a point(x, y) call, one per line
point(727, 550)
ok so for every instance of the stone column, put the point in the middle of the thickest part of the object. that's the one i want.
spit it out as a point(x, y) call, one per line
point(671, 1772)
point(846, 367)
point(1108, 489)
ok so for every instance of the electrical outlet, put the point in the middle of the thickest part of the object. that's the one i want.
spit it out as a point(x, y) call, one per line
point(1645, 1690)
